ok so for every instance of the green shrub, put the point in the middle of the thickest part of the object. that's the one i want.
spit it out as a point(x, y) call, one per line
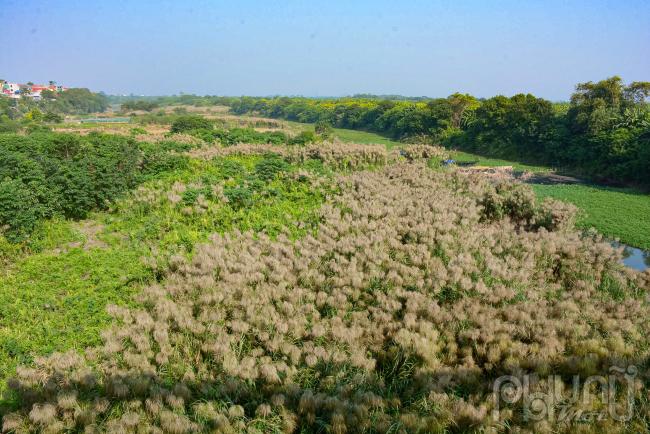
point(62, 174)
point(238, 196)
point(229, 168)
point(249, 135)
point(187, 123)
point(33, 128)
point(20, 211)
point(324, 129)
point(268, 168)
point(52, 117)
point(8, 125)
point(157, 158)
point(138, 130)
point(190, 196)
point(303, 138)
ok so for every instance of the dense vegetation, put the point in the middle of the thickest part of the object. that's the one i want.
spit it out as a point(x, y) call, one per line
point(386, 298)
point(227, 279)
point(204, 129)
point(139, 105)
point(604, 132)
point(43, 175)
point(73, 101)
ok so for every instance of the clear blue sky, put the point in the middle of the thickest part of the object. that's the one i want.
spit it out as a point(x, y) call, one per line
point(320, 48)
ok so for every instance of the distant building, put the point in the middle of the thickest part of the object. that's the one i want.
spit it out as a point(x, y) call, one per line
point(12, 90)
point(16, 90)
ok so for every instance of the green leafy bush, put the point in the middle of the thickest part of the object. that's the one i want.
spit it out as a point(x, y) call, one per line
point(323, 129)
point(268, 168)
point(229, 168)
point(53, 117)
point(188, 123)
point(8, 125)
point(50, 174)
point(162, 157)
point(303, 138)
point(238, 196)
point(234, 136)
point(19, 210)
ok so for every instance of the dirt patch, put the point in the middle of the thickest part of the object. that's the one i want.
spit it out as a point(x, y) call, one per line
point(507, 173)
point(91, 230)
point(548, 178)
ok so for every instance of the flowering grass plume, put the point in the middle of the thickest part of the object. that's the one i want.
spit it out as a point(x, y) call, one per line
point(337, 155)
point(416, 292)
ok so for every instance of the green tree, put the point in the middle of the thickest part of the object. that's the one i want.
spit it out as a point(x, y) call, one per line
point(596, 107)
point(34, 115)
point(53, 117)
point(462, 107)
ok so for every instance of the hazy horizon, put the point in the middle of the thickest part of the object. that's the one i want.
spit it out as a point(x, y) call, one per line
point(325, 48)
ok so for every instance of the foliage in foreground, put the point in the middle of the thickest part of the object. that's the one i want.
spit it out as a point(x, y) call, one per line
point(47, 175)
point(418, 291)
point(53, 295)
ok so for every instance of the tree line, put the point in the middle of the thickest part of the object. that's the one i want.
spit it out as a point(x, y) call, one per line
point(603, 132)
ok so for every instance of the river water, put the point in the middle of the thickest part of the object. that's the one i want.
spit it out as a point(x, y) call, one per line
point(635, 258)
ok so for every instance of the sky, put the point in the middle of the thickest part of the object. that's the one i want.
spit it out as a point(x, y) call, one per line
point(325, 48)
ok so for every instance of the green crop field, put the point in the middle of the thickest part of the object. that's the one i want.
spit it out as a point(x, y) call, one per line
point(354, 136)
point(614, 212)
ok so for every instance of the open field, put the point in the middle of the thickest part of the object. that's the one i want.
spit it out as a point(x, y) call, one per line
point(353, 136)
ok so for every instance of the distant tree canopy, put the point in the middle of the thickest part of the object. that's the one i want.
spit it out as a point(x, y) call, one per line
point(71, 101)
point(597, 107)
point(140, 105)
point(78, 101)
point(603, 132)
